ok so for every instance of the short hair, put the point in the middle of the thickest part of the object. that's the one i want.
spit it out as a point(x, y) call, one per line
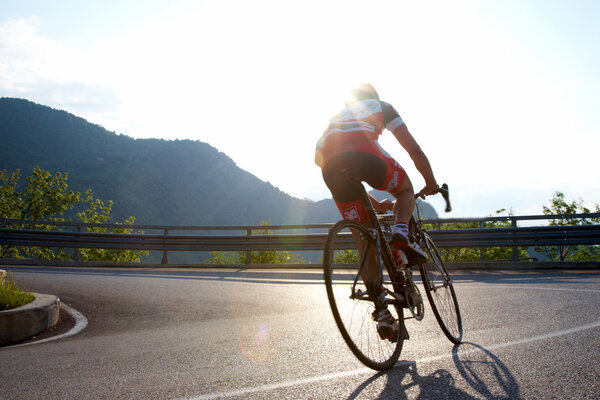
point(365, 91)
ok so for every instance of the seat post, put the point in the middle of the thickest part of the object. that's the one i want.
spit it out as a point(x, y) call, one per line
point(367, 203)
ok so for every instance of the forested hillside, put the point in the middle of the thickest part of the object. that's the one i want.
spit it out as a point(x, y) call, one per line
point(179, 182)
point(159, 182)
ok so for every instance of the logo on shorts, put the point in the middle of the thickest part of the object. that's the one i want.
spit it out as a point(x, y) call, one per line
point(351, 213)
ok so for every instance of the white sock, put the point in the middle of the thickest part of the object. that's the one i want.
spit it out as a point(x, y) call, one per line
point(401, 228)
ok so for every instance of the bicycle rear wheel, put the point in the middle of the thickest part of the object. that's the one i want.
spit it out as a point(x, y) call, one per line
point(440, 292)
point(350, 304)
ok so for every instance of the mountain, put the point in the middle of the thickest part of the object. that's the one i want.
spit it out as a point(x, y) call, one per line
point(159, 182)
point(180, 182)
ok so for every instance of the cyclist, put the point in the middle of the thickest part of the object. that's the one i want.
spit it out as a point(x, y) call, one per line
point(349, 146)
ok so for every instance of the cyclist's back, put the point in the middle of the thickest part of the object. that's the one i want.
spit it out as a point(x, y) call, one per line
point(356, 128)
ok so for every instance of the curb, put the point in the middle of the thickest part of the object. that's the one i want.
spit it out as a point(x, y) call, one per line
point(26, 321)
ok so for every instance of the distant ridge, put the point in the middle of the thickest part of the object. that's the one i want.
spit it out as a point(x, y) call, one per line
point(180, 182)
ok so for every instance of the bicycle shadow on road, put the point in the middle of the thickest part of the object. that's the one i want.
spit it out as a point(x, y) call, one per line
point(484, 372)
point(479, 374)
point(404, 382)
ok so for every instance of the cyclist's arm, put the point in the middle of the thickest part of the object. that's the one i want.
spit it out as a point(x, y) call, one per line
point(408, 142)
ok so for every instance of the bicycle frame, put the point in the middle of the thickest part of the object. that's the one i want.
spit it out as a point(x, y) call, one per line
point(398, 274)
point(352, 313)
point(380, 241)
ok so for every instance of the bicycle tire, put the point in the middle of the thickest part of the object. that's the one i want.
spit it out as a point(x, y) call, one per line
point(353, 316)
point(440, 292)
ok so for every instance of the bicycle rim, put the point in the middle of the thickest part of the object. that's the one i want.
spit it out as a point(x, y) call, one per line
point(353, 316)
point(440, 292)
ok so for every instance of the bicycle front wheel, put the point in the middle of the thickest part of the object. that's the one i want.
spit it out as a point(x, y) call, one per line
point(347, 244)
point(440, 292)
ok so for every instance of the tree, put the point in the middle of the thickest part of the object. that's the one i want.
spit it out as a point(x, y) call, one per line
point(99, 213)
point(559, 206)
point(256, 257)
point(10, 202)
point(346, 257)
point(46, 198)
point(9, 198)
point(486, 253)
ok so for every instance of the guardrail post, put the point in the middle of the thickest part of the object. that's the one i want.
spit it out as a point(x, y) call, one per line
point(515, 249)
point(76, 249)
point(165, 258)
point(481, 225)
point(248, 253)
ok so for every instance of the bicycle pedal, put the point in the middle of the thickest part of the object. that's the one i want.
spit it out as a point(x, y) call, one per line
point(387, 333)
point(397, 296)
point(359, 294)
point(392, 336)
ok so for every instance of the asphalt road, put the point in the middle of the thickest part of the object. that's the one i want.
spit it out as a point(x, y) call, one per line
point(202, 334)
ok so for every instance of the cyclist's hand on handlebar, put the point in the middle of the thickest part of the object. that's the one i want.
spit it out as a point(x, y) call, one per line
point(384, 205)
point(429, 189)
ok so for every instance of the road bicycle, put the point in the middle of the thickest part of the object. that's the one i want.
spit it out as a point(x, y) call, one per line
point(350, 245)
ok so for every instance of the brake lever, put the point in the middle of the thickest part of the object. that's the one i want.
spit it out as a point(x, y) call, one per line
point(443, 190)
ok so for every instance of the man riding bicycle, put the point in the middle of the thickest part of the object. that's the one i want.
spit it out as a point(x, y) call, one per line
point(349, 148)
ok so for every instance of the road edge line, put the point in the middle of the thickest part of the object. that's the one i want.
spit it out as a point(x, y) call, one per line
point(80, 324)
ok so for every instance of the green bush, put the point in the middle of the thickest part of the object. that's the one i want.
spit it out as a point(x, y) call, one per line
point(256, 257)
point(479, 254)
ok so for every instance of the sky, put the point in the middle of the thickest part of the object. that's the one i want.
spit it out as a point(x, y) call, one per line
point(503, 97)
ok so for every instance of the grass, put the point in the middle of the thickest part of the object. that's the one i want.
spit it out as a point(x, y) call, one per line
point(11, 296)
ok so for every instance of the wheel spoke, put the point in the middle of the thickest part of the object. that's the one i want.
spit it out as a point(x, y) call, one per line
point(353, 314)
point(440, 292)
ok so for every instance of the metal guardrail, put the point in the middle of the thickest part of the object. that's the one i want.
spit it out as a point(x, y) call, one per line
point(514, 219)
point(524, 237)
point(513, 236)
point(481, 237)
point(16, 237)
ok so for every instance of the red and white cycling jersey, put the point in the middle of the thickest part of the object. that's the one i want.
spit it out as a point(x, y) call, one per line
point(356, 128)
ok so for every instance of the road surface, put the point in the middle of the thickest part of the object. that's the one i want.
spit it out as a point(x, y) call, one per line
point(244, 334)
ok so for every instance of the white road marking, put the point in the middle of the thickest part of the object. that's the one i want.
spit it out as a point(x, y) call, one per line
point(275, 386)
point(537, 288)
point(80, 324)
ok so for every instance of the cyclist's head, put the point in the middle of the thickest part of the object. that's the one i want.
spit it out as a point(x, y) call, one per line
point(364, 91)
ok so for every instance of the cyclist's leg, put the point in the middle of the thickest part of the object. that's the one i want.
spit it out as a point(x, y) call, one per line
point(403, 209)
point(370, 272)
point(405, 201)
point(347, 196)
point(398, 184)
